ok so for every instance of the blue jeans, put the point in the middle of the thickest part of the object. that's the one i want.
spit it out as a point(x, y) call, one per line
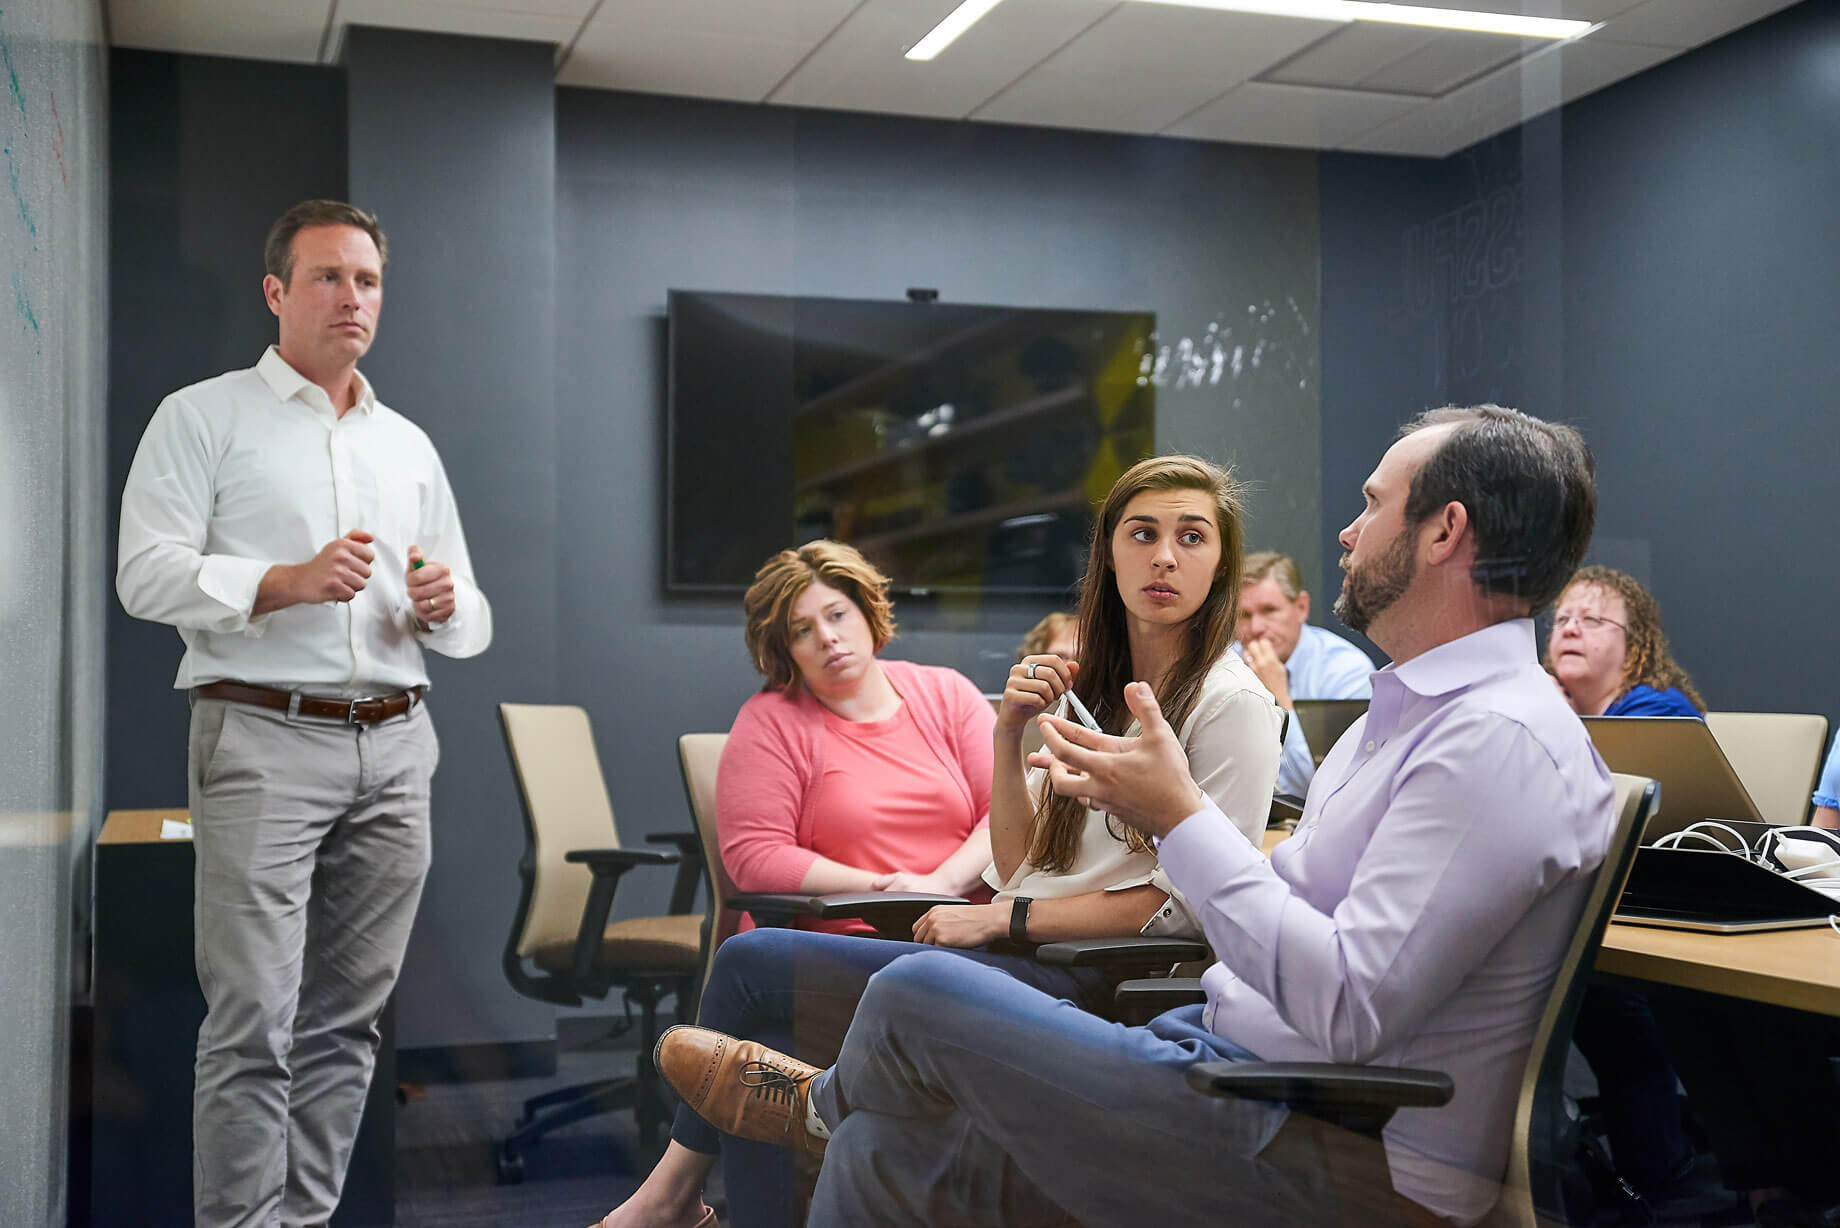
point(796, 991)
point(965, 1097)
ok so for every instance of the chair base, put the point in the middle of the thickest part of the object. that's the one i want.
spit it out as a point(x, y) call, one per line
point(640, 1091)
point(565, 1106)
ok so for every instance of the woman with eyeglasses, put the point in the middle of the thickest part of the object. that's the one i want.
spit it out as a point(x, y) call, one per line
point(1609, 654)
point(1610, 657)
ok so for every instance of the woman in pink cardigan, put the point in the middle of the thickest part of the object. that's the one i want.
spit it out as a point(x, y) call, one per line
point(848, 773)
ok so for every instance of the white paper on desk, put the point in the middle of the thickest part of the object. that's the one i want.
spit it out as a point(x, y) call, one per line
point(172, 829)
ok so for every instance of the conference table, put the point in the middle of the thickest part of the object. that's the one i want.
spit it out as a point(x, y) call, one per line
point(1797, 969)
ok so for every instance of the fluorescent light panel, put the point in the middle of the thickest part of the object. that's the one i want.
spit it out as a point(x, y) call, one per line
point(956, 23)
point(1398, 14)
point(970, 12)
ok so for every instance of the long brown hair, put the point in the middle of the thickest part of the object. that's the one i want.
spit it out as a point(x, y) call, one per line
point(1105, 644)
point(1647, 659)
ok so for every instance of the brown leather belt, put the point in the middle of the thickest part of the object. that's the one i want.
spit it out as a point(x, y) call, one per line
point(367, 710)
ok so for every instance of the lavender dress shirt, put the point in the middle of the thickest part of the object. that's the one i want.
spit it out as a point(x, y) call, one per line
point(1420, 913)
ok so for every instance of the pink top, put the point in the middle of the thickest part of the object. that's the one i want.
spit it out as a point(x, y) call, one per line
point(782, 799)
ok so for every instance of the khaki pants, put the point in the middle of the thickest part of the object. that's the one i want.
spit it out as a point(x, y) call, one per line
point(312, 842)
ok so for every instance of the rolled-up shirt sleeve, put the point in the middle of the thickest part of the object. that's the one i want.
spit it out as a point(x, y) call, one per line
point(164, 574)
point(1457, 861)
point(468, 631)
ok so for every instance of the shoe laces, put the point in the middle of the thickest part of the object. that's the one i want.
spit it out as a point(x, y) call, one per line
point(772, 1082)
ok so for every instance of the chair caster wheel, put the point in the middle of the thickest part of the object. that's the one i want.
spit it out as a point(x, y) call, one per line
point(510, 1164)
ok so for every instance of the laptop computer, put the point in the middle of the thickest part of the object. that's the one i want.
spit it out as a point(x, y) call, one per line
point(1694, 886)
point(1324, 721)
point(1691, 888)
point(1681, 755)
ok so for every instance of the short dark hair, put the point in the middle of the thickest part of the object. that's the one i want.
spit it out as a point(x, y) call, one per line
point(278, 251)
point(1529, 487)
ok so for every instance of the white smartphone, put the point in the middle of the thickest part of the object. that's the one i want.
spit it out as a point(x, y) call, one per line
point(1081, 714)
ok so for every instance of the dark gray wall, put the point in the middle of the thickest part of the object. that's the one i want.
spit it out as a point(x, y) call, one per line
point(658, 193)
point(534, 234)
point(1675, 299)
point(452, 143)
point(204, 154)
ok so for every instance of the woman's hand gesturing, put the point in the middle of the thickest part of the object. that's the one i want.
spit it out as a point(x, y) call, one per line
point(1034, 684)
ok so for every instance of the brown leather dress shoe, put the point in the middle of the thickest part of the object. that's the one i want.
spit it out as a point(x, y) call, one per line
point(740, 1087)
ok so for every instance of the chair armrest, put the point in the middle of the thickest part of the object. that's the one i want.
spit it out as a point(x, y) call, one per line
point(892, 913)
point(1359, 1098)
point(1121, 954)
point(689, 870)
point(1137, 1002)
point(618, 861)
point(773, 909)
point(607, 865)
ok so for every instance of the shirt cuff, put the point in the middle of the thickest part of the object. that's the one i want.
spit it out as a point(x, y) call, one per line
point(234, 582)
point(1822, 799)
point(1204, 850)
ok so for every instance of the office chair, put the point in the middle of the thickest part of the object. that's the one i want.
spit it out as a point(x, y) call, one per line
point(562, 948)
point(1362, 1099)
point(1777, 756)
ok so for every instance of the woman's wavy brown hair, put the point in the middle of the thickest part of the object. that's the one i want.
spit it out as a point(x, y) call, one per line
point(783, 578)
point(1105, 645)
point(1647, 661)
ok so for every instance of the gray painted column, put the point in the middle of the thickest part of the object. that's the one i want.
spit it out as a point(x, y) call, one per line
point(453, 146)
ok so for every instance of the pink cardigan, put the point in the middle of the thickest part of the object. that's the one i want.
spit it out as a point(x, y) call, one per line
point(775, 754)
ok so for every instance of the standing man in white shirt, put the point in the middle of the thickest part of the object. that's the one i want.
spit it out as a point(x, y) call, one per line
point(1294, 659)
point(302, 538)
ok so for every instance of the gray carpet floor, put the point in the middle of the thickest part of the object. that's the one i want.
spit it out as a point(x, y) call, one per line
point(446, 1177)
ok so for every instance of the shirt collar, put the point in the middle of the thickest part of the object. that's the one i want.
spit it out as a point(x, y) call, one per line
point(288, 383)
point(1468, 660)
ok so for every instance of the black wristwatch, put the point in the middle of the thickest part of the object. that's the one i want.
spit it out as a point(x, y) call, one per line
point(1019, 919)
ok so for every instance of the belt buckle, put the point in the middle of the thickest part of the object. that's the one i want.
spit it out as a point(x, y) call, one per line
point(351, 709)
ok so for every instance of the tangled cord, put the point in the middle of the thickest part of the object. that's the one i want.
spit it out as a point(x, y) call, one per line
point(1823, 876)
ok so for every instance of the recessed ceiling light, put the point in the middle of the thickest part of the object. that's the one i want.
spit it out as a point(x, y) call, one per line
point(967, 14)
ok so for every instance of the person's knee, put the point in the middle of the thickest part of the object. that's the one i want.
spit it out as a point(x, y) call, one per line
point(915, 982)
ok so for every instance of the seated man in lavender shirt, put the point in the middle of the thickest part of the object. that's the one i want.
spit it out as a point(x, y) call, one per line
point(1417, 918)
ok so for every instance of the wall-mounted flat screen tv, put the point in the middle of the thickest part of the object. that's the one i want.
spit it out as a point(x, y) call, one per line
point(961, 448)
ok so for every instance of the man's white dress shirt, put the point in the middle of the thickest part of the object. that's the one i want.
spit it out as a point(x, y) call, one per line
point(253, 468)
point(1419, 914)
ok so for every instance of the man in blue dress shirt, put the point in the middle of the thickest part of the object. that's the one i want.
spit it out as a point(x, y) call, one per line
point(1292, 658)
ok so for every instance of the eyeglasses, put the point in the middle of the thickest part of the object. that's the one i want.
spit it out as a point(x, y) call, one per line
point(1586, 622)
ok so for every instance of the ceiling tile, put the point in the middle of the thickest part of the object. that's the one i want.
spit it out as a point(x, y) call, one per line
point(1350, 55)
point(860, 67)
point(1574, 10)
point(1687, 23)
point(787, 21)
point(1447, 60)
point(1261, 113)
point(558, 27)
point(1512, 95)
point(289, 32)
point(733, 49)
point(1147, 65)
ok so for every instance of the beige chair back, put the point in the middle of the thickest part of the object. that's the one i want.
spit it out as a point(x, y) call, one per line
point(1777, 756)
point(1540, 1111)
point(565, 807)
point(701, 756)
